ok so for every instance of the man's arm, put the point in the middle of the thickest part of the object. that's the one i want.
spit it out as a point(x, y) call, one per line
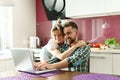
point(78, 56)
point(57, 65)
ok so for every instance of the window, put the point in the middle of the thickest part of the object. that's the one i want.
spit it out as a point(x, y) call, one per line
point(6, 27)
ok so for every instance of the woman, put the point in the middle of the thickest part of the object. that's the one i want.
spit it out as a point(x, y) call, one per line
point(56, 40)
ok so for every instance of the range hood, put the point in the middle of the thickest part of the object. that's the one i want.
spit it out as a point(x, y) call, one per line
point(54, 9)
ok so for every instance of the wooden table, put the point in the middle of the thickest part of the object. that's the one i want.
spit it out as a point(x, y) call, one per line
point(62, 75)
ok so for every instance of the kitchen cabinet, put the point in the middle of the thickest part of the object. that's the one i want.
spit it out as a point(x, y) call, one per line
point(83, 8)
point(88, 8)
point(6, 64)
point(105, 61)
point(116, 64)
point(6, 61)
point(9, 64)
point(113, 7)
point(101, 63)
point(2, 65)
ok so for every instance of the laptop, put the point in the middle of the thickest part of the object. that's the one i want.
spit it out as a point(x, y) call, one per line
point(23, 61)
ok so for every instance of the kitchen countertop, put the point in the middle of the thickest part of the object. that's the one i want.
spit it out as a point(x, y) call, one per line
point(108, 50)
point(5, 54)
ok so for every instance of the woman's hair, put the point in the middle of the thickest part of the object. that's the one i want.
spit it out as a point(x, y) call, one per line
point(58, 26)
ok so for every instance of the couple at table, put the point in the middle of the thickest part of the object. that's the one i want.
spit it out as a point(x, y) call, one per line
point(66, 50)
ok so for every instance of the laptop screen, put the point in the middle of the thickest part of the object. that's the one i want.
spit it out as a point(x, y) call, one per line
point(22, 58)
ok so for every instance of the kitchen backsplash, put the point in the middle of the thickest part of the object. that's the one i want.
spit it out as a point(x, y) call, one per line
point(90, 29)
point(100, 28)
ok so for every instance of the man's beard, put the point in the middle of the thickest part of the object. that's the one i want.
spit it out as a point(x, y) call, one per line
point(70, 41)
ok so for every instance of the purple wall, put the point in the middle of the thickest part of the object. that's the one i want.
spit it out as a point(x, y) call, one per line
point(90, 29)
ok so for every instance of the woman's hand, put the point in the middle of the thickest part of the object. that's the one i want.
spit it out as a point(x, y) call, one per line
point(80, 43)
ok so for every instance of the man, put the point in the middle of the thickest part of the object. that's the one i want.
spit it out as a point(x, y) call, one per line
point(78, 60)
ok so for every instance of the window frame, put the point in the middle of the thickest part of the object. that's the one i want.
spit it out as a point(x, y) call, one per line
point(6, 27)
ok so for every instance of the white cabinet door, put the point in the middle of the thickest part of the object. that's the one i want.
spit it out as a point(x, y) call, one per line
point(2, 65)
point(6, 64)
point(116, 64)
point(9, 64)
point(101, 63)
point(113, 6)
point(85, 8)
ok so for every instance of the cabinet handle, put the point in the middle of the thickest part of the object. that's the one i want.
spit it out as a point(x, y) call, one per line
point(97, 56)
